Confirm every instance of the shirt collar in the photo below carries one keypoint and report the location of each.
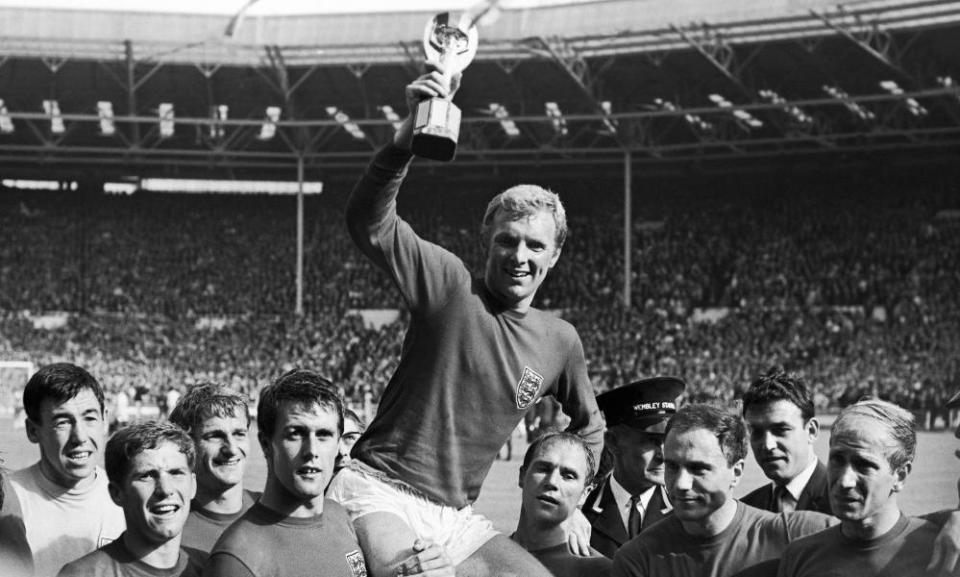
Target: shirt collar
(798, 483)
(622, 497)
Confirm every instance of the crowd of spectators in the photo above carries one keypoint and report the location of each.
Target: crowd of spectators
(853, 282)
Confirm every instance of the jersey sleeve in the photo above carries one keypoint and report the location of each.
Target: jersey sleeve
(16, 559)
(788, 563)
(576, 396)
(940, 518)
(802, 523)
(223, 564)
(629, 561)
(423, 271)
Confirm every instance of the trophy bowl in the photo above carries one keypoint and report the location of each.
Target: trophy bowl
(436, 124)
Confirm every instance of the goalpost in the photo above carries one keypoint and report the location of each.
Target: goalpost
(13, 376)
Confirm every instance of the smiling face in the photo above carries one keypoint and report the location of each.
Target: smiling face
(300, 453)
(155, 494)
(554, 483)
(699, 480)
(863, 485)
(637, 457)
(781, 439)
(519, 255)
(222, 446)
(70, 435)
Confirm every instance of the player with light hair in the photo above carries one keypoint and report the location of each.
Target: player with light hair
(218, 420)
(476, 357)
(872, 447)
(557, 472)
(150, 466)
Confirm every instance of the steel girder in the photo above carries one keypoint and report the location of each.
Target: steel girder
(686, 65)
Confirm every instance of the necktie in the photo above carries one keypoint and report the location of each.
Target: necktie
(784, 500)
(635, 519)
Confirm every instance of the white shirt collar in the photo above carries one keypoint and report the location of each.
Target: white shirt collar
(798, 483)
(622, 497)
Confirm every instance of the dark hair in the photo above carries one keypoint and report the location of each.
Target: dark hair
(207, 400)
(778, 385)
(353, 416)
(58, 382)
(299, 386)
(551, 438)
(130, 441)
(726, 426)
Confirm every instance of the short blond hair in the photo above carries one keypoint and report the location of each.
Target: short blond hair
(899, 423)
(525, 200)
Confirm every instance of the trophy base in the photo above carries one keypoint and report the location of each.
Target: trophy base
(436, 129)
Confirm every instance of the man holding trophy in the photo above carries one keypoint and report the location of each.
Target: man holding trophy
(476, 356)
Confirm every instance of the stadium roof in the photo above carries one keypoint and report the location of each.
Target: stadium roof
(583, 83)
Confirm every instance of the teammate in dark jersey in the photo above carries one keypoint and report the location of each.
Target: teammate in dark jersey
(150, 467)
(293, 531)
(872, 447)
(557, 471)
(711, 533)
(477, 355)
(217, 419)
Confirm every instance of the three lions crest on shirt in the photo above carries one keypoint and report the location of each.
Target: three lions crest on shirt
(528, 387)
(355, 561)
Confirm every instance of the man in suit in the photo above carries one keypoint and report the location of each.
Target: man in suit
(783, 427)
(632, 497)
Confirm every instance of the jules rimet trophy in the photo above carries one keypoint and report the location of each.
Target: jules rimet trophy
(436, 123)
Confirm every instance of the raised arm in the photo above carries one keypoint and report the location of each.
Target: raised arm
(421, 270)
(372, 205)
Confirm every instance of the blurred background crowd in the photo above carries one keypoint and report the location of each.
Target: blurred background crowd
(853, 282)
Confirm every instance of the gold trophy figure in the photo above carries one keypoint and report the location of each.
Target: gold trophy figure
(436, 124)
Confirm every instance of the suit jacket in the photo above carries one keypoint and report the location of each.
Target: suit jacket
(609, 533)
(814, 497)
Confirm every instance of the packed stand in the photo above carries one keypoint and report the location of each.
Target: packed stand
(852, 282)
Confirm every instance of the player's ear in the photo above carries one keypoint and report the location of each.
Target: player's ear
(583, 497)
(31, 428)
(901, 475)
(556, 257)
(737, 473)
(116, 493)
(813, 429)
(265, 445)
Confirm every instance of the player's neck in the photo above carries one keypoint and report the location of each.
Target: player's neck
(69, 483)
(535, 536)
(276, 498)
(219, 501)
(159, 556)
(873, 526)
(715, 523)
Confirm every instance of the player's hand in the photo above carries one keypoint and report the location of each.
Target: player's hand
(578, 534)
(946, 548)
(428, 560)
(432, 84)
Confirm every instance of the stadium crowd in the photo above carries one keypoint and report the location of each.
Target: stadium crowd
(856, 292)
(853, 283)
